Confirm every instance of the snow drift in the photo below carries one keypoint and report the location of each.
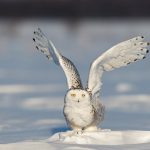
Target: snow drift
(102, 137)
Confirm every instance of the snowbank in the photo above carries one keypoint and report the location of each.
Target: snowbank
(102, 137)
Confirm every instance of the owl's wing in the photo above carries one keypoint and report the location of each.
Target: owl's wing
(118, 56)
(48, 48)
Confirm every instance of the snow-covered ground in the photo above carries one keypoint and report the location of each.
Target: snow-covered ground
(32, 89)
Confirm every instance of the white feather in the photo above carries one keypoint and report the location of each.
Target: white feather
(118, 56)
(48, 48)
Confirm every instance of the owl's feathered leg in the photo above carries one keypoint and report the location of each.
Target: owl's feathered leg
(91, 128)
(71, 133)
(76, 130)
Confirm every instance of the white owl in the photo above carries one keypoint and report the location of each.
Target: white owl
(82, 107)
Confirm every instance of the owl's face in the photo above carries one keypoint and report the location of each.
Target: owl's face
(77, 96)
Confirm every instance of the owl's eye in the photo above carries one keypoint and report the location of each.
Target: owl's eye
(83, 95)
(73, 95)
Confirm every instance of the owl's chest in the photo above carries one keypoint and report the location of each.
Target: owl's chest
(80, 114)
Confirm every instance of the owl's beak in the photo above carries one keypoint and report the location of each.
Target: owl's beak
(78, 101)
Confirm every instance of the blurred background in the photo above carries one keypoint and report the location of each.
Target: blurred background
(32, 88)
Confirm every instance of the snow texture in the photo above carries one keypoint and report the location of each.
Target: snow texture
(103, 137)
(106, 139)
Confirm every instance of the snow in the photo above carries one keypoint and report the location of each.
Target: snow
(22, 88)
(98, 139)
(133, 103)
(103, 137)
(124, 87)
(32, 89)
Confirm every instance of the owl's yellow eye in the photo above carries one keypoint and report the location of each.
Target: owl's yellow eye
(73, 95)
(83, 95)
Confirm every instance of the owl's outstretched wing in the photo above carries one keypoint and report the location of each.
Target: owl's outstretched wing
(48, 48)
(118, 56)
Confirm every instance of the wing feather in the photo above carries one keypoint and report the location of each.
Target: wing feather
(48, 48)
(118, 56)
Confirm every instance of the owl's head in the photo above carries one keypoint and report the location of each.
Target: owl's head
(77, 96)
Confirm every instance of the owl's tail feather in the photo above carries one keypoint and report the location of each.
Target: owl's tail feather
(45, 46)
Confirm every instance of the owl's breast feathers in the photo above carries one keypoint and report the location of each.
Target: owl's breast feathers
(83, 116)
(79, 116)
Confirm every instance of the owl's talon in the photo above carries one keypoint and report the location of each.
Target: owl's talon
(79, 132)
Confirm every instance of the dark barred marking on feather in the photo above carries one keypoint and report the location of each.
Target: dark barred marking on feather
(75, 77)
(37, 48)
(135, 59)
(144, 57)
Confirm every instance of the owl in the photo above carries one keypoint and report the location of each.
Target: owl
(83, 109)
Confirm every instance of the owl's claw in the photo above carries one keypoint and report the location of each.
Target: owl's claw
(77, 132)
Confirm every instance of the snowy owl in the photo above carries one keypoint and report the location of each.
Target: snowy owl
(83, 109)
